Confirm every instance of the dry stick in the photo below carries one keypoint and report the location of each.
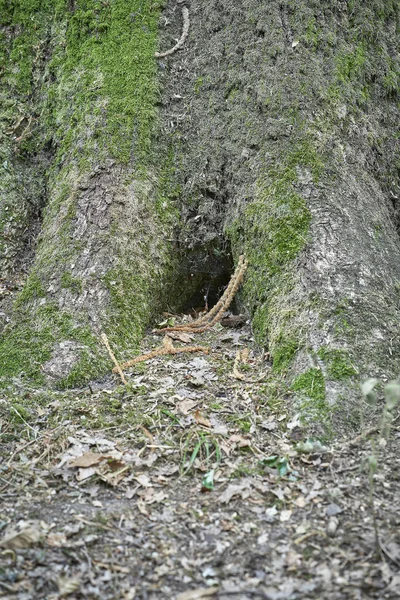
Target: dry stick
(117, 368)
(160, 352)
(182, 39)
(218, 310)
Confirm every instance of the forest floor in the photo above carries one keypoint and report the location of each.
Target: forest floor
(189, 483)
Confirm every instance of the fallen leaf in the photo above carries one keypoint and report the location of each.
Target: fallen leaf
(332, 510)
(88, 460)
(83, 474)
(130, 594)
(241, 489)
(186, 406)
(142, 508)
(262, 539)
(300, 502)
(201, 420)
(67, 586)
(24, 534)
(285, 515)
(144, 480)
(185, 338)
(271, 513)
(240, 441)
(56, 540)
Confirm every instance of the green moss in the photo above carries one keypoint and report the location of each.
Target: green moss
(286, 349)
(32, 290)
(272, 232)
(338, 363)
(105, 65)
(198, 84)
(25, 346)
(310, 386)
(73, 283)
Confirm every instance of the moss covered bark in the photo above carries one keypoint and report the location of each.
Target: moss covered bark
(276, 136)
(86, 75)
(291, 149)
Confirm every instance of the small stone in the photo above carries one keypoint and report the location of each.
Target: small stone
(333, 509)
(332, 526)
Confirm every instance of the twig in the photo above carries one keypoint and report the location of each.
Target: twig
(117, 368)
(388, 554)
(182, 39)
(236, 373)
(160, 352)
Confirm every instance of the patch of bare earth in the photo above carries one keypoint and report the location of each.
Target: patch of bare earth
(188, 483)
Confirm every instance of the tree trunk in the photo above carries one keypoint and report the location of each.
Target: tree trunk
(275, 135)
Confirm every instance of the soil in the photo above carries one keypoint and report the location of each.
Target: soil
(193, 483)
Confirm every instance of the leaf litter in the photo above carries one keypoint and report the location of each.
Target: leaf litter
(188, 482)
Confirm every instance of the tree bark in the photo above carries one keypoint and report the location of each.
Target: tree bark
(275, 135)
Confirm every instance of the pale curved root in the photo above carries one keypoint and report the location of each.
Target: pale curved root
(182, 39)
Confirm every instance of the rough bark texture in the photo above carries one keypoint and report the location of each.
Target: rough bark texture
(83, 75)
(287, 123)
(275, 135)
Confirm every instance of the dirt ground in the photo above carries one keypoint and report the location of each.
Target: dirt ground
(190, 482)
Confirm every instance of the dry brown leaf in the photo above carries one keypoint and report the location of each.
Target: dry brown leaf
(56, 540)
(144, 480)
(88, 459)
(24, 534)
(300, 502)
(186, 406)
(180, 336)
(201, 420)
(241, 489)
(240, 441)
(113, 472)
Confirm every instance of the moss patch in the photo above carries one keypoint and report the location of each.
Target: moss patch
(310, 389)
(338, 363)
(272, 233)
(26, 345)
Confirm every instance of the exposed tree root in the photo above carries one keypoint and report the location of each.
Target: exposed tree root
(216, 313)
(182, 39)
(166, 348)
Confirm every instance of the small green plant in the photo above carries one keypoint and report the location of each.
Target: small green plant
(207, 450)
(391, 394)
